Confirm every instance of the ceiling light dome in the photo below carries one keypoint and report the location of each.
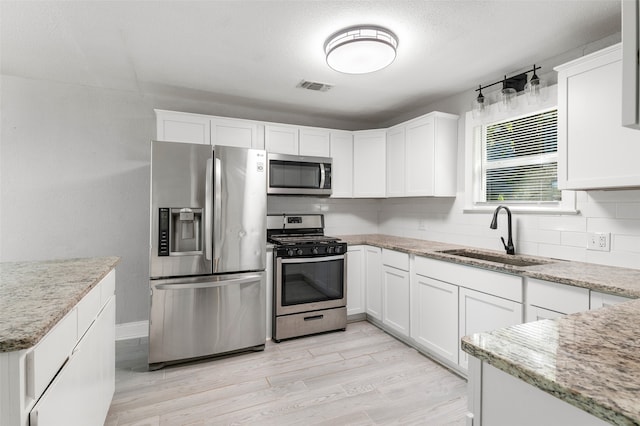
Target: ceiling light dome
(360, 50)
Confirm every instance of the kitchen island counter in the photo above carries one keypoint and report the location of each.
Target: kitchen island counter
(590, 359)
(34, 296)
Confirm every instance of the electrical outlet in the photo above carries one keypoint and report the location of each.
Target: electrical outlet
(599, 241)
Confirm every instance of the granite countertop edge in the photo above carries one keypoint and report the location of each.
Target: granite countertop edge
(32, 304)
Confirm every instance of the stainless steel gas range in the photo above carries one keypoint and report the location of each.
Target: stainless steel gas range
(310, 294)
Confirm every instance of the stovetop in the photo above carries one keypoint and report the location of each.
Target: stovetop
(302, 239)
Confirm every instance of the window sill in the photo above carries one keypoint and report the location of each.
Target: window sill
(523, 209)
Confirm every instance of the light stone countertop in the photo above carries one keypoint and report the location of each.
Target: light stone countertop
(34, 296)
(589, 359)
(606, 279)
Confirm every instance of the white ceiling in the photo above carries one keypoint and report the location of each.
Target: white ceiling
(256, 52)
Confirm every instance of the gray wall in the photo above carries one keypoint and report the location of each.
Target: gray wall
(74, 173)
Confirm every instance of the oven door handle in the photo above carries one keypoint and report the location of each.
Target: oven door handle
(311, 259)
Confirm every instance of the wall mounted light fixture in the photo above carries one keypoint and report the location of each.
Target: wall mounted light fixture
(511, 86)
(360, 50)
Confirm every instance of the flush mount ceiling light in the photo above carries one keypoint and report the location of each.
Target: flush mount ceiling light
(361, 50)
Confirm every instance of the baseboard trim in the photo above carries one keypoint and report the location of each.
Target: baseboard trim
(132, 330)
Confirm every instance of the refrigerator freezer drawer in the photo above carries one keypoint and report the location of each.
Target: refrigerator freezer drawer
(204, 316)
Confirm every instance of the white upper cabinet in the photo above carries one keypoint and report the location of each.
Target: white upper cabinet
(295, 140)
(594, 150)
(342, 165)
(395, 161)
(630, 65)
(183, 127)
(281, 139)
(314, 142)
(235, 132)
(369, 164)
(422, 157)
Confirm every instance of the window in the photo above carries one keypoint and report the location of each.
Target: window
(520, 159)
(512, 159)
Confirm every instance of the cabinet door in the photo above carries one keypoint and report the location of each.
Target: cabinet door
(536, 313)
(230, 132)
(373, 282)
(436, 320)
(86, 382)
(369, 164)
(342, 165)
(396, 162)
(355, 280)
(269, 270)
(595, 150)
(600, 300)
(183, 127)
(314, 142)
(395, 297)
(420, 160)
(481, 312)
(281, 139)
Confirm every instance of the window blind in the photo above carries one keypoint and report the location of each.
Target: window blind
(521, 159)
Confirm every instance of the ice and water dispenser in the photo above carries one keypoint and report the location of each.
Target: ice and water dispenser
(180, 231)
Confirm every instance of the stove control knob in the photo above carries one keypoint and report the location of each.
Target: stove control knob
(315, 250)
(290, 252)
(330, 249)
(299, 252)
(338, 249)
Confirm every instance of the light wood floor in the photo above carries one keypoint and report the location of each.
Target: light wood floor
(361, 376)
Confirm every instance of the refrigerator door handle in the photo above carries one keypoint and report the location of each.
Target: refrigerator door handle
(208, 284)
(217, 212)
(208, 210)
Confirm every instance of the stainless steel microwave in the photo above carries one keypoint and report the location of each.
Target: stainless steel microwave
(298, 175)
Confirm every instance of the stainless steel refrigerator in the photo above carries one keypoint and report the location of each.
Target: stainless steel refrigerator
(207, 251)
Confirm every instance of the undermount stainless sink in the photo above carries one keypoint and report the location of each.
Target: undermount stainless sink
(505, 259)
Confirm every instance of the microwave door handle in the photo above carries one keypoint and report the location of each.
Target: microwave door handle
(217, 211)
(208, 210)
(322, 175)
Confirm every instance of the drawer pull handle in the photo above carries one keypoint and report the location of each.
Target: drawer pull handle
(315, 317)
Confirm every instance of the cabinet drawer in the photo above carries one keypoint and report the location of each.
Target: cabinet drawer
(557, 297)
(499, 284)
(107, 287)
(88, 308)
(46, 358)
(395, 259)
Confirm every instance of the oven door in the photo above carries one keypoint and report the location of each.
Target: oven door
(309, 284)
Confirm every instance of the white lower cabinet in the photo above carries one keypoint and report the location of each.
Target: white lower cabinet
(269, 270)
(355, 281)
(499, 399)
(395, 287)
(548, 300)
(434, 308)
(68, 377)
(481, 312)
(395, 291)
(81, 393)
(373, 280)
(600, 300)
